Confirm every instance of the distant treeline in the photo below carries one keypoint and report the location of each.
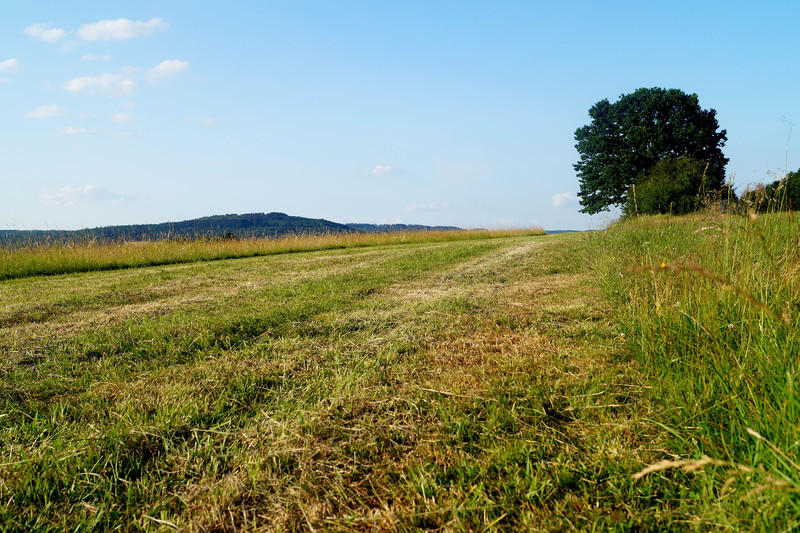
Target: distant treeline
(249, 225)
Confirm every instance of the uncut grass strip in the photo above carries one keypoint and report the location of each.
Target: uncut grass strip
(69, 259)
(723, 281)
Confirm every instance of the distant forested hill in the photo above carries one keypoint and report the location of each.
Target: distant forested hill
(230, 226)
(249, 225)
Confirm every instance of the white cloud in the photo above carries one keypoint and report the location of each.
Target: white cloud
(3, 81)
(71, 195)
(564, 198)
(381, 170)
(44, 32)
(119, 29)
(428, 207)
(122, 117)
(68, 195)
(107, 84)
(47, 111)
(166, 69)
(128, 104)
(96, 57)
(9, 65)
(78, 131)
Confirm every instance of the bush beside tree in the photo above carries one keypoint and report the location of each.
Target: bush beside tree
(675, 186)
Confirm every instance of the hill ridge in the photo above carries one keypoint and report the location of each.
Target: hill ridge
(273, 224)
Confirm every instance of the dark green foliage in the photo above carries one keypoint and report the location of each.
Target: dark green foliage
(626, 139)
(780, 195)
(674, 186)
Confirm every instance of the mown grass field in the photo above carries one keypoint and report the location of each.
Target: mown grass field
(457, 385)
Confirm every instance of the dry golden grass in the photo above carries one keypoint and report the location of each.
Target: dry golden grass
(70, 257)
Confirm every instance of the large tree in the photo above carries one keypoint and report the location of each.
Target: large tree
(628, 138)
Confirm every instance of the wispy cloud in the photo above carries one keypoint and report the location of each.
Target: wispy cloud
(67, 196)
(44, 32)
(122, 117)
(564, 199)
(428, 207)
(9, 65)
(72, 195)
(78, 131)
(381, 170)
(119, 29)
(104, 30)
(47, 111)
(166, 70)
(106, 84)
(96, 57)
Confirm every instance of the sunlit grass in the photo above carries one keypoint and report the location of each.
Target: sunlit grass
(636, 379)
(470, 385)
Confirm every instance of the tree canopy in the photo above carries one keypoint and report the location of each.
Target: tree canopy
(627, 139)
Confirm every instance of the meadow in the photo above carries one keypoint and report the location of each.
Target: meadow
(635, 379)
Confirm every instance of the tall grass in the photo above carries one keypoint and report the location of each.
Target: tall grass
(710, 305)
(70, 257)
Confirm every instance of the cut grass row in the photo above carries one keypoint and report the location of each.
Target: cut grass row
(70, 257)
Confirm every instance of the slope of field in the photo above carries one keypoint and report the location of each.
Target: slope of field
(519, 382)
(456, 385)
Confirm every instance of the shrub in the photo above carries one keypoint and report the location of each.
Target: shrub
(780, 195)
(674, 185)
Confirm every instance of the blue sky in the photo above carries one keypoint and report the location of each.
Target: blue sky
(424, 112)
